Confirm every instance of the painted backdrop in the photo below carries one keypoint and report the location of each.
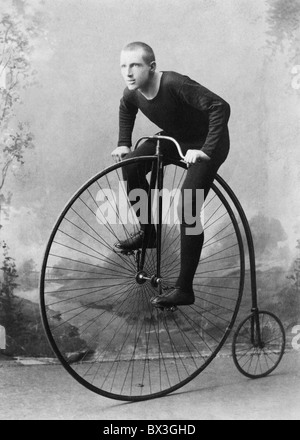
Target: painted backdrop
(62, 124)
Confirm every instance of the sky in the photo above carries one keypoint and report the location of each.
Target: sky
(229, 46)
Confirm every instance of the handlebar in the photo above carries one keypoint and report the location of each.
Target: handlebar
(158, 137)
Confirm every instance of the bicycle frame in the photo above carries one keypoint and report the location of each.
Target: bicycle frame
(159, 179)
(250, 245)
(239, 208)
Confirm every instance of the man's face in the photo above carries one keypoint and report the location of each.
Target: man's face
(135, 71)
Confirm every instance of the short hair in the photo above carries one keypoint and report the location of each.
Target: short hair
(148, 56)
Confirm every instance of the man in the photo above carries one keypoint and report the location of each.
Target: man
(197, 119)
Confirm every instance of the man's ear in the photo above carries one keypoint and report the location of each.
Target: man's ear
(153, 66)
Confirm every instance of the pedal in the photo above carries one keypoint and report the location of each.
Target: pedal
(171, 309)
(167, 309)
(127, 253)
(124, 252)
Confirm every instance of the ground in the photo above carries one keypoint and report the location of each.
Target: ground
(34, 391)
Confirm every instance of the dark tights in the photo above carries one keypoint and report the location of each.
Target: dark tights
(198, 176)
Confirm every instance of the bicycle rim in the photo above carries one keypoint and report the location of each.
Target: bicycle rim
(99, 320)
(258, 355)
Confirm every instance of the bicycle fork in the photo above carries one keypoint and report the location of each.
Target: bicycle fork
(156, 180)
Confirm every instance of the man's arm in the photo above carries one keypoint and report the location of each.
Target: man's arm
(127, 115)
(216, 109)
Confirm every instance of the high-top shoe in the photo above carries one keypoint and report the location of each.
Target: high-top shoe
(135, 241)
(177, 297)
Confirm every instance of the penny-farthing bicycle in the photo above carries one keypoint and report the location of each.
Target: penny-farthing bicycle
(95, 301)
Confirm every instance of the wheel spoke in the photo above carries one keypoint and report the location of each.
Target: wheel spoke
(96, 306)
(258, 357)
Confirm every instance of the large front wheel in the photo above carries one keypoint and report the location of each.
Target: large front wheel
(96, 305)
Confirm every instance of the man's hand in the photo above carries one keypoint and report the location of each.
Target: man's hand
(194, 156)
(119, 153)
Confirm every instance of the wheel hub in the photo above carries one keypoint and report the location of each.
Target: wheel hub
(142, 277)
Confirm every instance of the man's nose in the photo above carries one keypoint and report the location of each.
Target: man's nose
(129, 72)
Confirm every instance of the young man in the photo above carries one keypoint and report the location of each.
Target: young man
(197, 119)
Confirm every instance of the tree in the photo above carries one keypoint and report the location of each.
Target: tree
(8, 285)
(295, 275)
(283, 19)
(17, 34)
(18, 31)
(28, 275)
(16, 74)
(267, 233)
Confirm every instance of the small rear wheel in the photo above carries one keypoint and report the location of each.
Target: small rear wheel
(255, 356)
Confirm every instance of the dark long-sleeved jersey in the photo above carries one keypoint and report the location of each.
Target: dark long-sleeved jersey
(182, 108)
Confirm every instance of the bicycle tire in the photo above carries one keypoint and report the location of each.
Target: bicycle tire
(147, 363)
(251, 360)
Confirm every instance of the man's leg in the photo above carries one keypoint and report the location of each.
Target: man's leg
(135, 177)
(199, 176)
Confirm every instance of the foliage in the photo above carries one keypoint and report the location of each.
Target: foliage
(18, 31)
(10, 275)
(267, 233)
(17, 34)
(284, 24)
(28, 275)
(284, 18)
(294, 276)
(16, 74)
(7, 286)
